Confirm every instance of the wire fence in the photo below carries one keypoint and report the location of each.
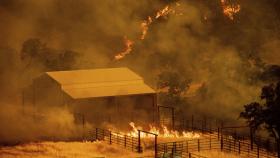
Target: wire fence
(122, 140)
(186, 148)
(223, 138)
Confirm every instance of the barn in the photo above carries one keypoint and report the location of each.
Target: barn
(103, 96)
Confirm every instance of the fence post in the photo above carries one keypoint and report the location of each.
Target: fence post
(110, 137)
(202, 126)
(218, 133)
(251, 138)
(156, 151)
(96, 134)
(173, 119)
(139, 142)
(198, 145)
(210, 127)
(83, 121)
(173, 149)
(222, 143)
(190, 155)
(125, 141)
(239, 147)
(132, 143)
(192, 122)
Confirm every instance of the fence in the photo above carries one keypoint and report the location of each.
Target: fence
(244, 148)
(125, 141)
(221, 139)
(184, 148)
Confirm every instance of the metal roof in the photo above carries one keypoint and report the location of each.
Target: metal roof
(100, 82)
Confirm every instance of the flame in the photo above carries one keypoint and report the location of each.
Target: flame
(128, 48)
(163, 12)
(162, 133)
(144, 29)
(230, 10)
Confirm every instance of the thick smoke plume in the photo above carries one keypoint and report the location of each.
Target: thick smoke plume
(222, 54)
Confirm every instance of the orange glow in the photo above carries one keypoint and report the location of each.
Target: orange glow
(145, 27)
(230, 9)
(128, 49)
(164, 132)
(165, 11)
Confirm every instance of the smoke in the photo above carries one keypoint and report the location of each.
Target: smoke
(204, 45)
(19, 125)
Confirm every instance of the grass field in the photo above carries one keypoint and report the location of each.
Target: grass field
(81, 150)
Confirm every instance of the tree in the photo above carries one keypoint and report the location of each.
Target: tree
(265, 114)
(172, 85)
(33, 50)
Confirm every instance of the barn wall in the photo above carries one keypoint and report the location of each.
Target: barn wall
(48, 93)
(117, 111)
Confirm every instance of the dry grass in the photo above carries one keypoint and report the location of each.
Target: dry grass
(66, 149)
(217, 154)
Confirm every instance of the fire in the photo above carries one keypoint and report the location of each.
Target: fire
(128, 49)
(144, 29)
(230, 9)
(165, 11)
(162, 133)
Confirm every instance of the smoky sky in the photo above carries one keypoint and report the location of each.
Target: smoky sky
(198, 40)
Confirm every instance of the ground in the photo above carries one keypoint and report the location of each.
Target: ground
(80, 150)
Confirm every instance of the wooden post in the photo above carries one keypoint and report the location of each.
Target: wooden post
(192, 122)
(110, 137)
(132, 143)
(173, 118)
(156, 150)
(190, 155)
(222, 141)
(158, 115)
(201, 126)
(173, 149)
(251, 138)
(139, 142)
(96, 134)
(83, 119)
(239, 150)
(218, 133)
(210, 127)
(154, 108)
(125, 141)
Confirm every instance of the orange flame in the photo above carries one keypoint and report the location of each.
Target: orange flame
(145, 27)
(230, 10)
(165, 11)
(165, 132)
(128, 49)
